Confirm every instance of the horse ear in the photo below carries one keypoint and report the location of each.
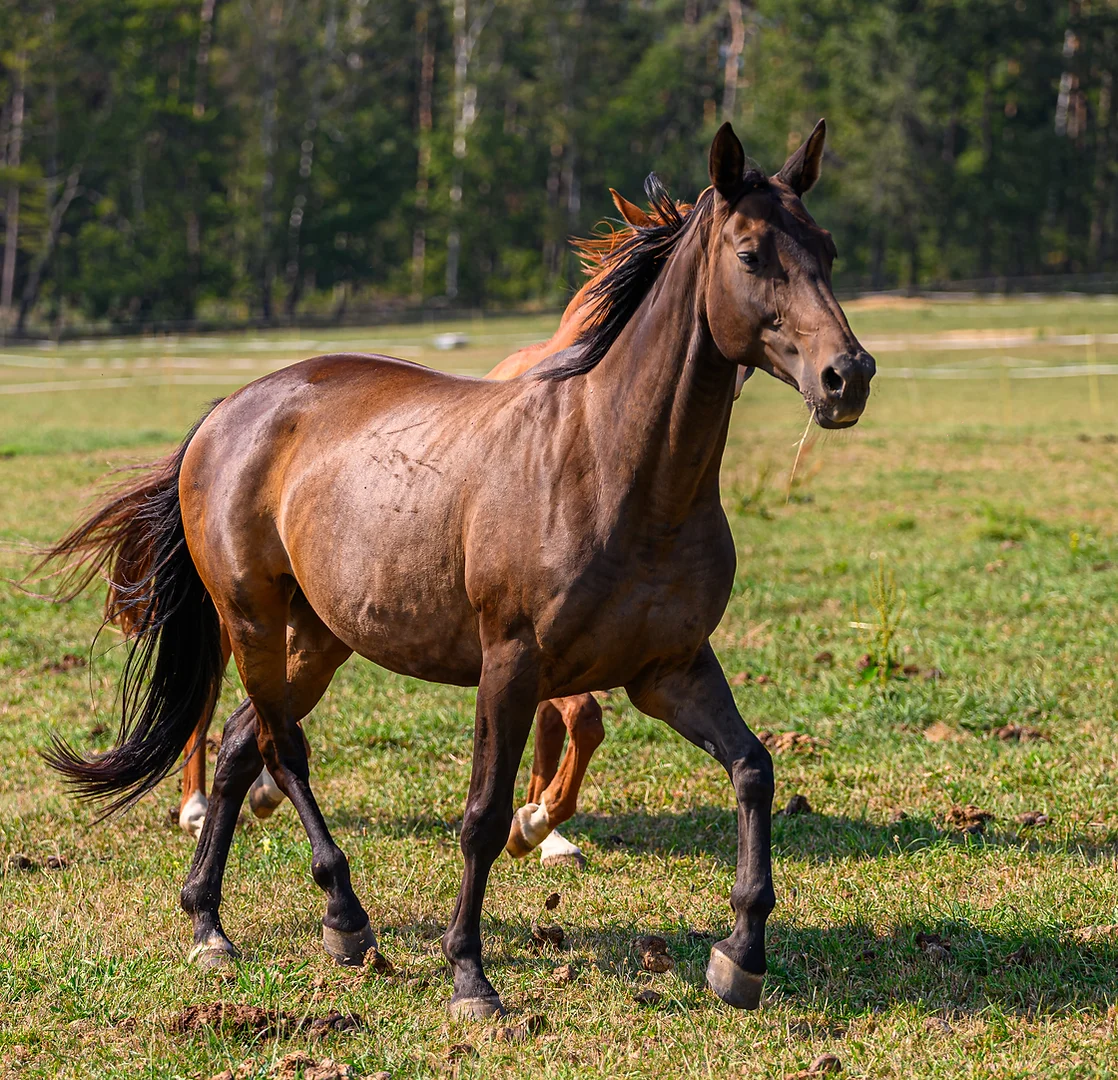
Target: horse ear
(632, 213)
(727, 161)
(801, 170)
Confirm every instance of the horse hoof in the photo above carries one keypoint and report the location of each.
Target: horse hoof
(264, 797)
(214, 951)
(192, 814)
(734, 985)
(557, 850)
(528, 830)
(348, 948)
(476, 1008)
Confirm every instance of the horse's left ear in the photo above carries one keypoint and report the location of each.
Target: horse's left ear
(801, 170)
(727, 162)
(632, 213)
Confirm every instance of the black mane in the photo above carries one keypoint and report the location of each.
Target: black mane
(629, 272)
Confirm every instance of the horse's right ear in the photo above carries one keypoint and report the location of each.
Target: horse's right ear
(727, 161)
(632, 213)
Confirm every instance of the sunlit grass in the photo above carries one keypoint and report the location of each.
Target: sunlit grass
(999, 522)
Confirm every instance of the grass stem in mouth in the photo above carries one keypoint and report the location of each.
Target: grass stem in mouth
(796, 463)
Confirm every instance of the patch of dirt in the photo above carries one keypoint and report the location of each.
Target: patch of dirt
(1019, 733)
(563, 974)
(648, 997)
(789, 742)
(552, 902)
(825, 657)
(547, 936)
(969, 819)
(57, 862)
(653, 953)
(939, 732)
(1032, 819)
(798, 804)
(224, 1015)
(66, 662)
(18, 862)
(376, 963)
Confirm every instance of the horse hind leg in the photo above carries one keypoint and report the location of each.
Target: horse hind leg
(286, 665)
(265, 797)
(553, 797)
(193, 805)
(238, 761)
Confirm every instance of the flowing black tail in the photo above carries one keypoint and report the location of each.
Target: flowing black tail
(174, 666)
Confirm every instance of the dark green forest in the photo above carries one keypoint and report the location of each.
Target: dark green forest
(181, 159)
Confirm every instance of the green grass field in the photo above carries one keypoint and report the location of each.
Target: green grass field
(982, 478)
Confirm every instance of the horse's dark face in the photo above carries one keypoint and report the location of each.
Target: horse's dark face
(768, 294)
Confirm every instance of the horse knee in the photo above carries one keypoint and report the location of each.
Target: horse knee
(752, 776)
(584, 722)
(484, 832)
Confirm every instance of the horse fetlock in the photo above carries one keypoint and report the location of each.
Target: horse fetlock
(530, 827)
(264, 796)
(214, 950)
(731, 982)
(557, 850)
(192, 814)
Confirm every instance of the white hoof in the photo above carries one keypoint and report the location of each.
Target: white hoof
(192, 815)
(530, 827)
(264, 795)
(557, 850)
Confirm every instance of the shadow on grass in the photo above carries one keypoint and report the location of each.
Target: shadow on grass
(953, 968)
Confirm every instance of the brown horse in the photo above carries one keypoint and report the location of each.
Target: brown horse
(556, 778)
(542, 537)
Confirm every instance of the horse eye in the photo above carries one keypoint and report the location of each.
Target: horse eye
(749, 259)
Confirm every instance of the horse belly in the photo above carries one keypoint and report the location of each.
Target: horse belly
(384, 570)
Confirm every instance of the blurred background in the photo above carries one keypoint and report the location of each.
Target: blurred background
(179, 161)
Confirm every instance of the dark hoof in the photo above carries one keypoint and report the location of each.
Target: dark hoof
(476, 1008)
(348, 948)
(734, 985)
(214, 951)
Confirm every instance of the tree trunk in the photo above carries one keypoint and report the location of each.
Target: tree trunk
(466, 36)
(306, 161)
(42, 259)
(11, 205)
(423, 163)
(733, 58)
(266, 264)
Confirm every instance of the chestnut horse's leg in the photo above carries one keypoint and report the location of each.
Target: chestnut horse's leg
(506, 699)
(697, 702)
(265, 796)
(193, 805)
(238, 762)
(552, 791)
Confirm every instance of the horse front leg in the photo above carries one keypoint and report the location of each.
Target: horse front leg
(506, 699)
(696, 701)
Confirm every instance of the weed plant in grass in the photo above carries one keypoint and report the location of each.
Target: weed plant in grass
(901, 943)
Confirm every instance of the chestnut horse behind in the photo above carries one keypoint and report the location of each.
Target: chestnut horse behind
(348, 504)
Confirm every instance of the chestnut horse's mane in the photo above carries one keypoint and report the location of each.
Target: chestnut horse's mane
(630, 261)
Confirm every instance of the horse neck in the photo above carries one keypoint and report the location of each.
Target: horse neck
(660, 399)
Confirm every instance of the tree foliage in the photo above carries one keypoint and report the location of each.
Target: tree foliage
(171, 158)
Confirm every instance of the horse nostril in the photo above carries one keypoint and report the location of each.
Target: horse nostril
(833, 381)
